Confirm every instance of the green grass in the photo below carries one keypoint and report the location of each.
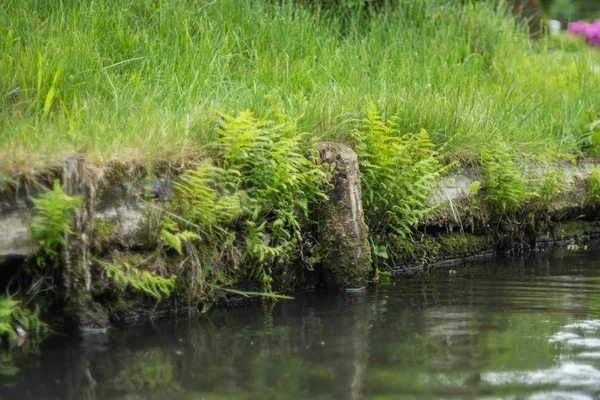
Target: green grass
(145, 80)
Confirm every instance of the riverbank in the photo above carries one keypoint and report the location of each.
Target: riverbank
(459, 210)
(137, 271)
(130, 179)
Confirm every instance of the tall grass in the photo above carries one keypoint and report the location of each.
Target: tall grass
(147, 79)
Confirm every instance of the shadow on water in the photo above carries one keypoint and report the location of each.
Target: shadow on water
(506, 328)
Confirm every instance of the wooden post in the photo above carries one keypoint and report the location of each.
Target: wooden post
(342, 233)
(81, 313)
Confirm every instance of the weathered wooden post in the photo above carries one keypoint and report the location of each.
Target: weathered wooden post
(342, 233)
(81, 312)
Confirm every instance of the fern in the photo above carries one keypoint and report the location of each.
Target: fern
(8, 307)
(278, 172)
(594, 186)
(265, 178)
(208, 198)
(173, 237)
(12, 314)
(506, 187)
(143, 281)
(547, 179)
(53, 211)
(398, 174)
(259, 249)
(509, 188)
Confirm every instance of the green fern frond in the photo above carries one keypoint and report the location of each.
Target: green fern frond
(263, 181)
(139, 280)
(13, 314)
(594, 186)
(398, 173)
(506, 186)
(175, 238)
(53, 211)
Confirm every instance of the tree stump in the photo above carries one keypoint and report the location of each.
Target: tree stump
(81, 312)
(342, 233)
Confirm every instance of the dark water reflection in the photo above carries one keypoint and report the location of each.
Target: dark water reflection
(512, 329)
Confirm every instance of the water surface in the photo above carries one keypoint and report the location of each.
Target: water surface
(525, 328)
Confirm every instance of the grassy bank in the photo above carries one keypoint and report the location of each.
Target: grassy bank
(143, 81)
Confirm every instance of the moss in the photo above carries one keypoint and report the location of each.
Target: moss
(104, 232)
(150, 225)
(343, 266)
(131, 258)
(463, 245)
(434, 248)
(593, 186)
(471, 213)
(117, 304)
(409, 252)
(575, 229)
(192, 291)
(183, 288)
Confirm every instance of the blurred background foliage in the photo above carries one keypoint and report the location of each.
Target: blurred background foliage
(563, 10)
(572, 10)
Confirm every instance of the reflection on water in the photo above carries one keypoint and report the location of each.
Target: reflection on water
(502, 329)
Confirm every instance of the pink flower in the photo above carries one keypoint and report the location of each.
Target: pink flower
(577, 28)
(592, 35)
(591, 32)
(594, 40)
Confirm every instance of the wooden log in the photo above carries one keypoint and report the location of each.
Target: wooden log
(82, 313)
(342, 233)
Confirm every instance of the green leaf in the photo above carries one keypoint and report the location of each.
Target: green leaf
(53, 212)
(248, 294)
(381, 251)
(475, 186)
(51, 93)
(171, 240)
(383, 277)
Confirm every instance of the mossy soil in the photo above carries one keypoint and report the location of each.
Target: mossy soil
(430, 247)
(425, 251)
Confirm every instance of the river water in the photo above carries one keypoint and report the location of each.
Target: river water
(514, 328)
